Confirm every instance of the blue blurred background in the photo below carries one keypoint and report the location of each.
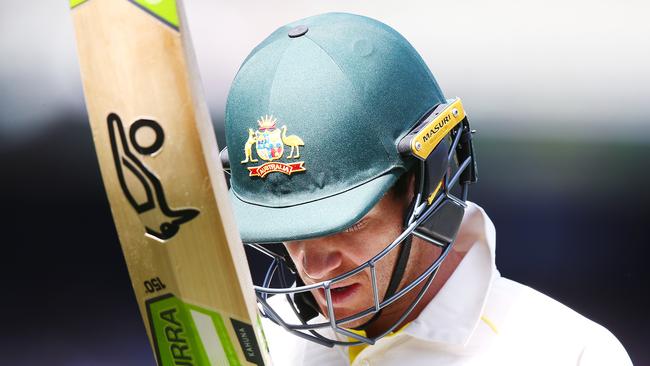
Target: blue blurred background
(558, 90)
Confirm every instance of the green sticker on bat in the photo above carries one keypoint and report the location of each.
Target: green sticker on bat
(164, 10)
(74, 3)
(186, 335)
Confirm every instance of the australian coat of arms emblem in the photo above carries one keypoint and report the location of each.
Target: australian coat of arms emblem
(269, 143)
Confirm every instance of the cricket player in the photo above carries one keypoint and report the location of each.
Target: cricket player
(343, 148)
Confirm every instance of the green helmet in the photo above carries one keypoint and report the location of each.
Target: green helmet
(322, 119)
(313, 121)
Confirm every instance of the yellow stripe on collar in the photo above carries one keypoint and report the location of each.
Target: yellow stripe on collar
(490, 324)
(353, 351)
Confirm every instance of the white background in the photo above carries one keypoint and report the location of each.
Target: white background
(562, 69)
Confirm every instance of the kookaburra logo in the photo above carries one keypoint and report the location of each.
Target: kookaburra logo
(269, 146)
(140, 185)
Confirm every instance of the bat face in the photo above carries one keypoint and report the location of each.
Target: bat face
(157, 154)
(161, 221)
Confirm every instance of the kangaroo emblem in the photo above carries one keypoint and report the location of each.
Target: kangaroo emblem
(248, 147)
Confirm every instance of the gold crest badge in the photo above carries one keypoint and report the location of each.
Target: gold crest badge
(269, 145)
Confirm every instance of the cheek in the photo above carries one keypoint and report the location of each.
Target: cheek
(371, 245)
(362, 248)
(366, 244)
(380, 238)
(384, 268)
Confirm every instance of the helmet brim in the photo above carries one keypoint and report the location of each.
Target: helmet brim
(263, 224)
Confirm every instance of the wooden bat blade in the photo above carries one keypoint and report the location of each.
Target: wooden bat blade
(159, 162)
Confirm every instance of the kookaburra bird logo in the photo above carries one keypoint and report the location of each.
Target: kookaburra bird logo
(140, 185)
(269, 143)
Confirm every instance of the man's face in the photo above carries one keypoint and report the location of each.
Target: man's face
(324, 258)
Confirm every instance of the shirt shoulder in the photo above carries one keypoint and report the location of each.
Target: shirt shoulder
(528, 321)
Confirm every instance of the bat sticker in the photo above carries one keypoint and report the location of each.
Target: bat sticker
(188, 335)
(152, 207)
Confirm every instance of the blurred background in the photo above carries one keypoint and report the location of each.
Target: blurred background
(558, 90)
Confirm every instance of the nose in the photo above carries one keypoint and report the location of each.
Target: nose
(320, 261)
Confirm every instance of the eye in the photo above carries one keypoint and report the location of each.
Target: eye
(356, 227)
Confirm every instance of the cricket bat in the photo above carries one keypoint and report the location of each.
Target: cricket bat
(159, 161)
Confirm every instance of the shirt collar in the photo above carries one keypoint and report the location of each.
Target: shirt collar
(453, 314)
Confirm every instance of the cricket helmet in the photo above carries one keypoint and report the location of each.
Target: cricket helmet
(321, 120)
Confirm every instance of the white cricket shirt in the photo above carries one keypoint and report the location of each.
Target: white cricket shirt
(477, 318)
